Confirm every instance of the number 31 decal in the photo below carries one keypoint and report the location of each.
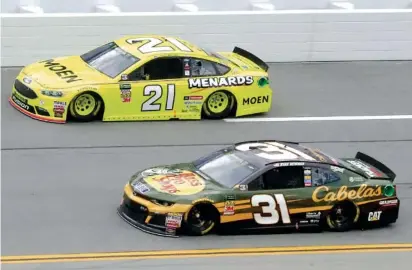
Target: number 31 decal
(269, 214)
(157, 91)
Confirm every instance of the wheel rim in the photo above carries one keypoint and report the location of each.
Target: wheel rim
(85, 104)
(200, 221)
(339, 217)
(218, 102)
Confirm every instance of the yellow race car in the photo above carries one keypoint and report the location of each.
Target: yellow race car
(144, 78)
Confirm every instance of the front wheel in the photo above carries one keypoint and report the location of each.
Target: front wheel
(201, 220)
(85, 107)
(218, 105)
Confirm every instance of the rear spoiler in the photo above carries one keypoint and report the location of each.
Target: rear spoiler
(252, 58)
(377, 164)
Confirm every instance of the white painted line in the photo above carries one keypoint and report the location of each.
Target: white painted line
(319, 118)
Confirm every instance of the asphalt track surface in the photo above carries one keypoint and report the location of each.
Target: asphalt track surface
(62, 183)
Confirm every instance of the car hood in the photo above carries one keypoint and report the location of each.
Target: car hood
(64, 72)
(174, 182)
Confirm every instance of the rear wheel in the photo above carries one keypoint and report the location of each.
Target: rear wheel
(218, 105)
(85, 107)
(342, 217)
(202, 219)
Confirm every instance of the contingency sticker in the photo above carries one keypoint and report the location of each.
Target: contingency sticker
(308, 177)
(229, 208)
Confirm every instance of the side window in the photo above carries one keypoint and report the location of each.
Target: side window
(324, 176)
(159, 69)
(222, 69)
(279, 178)
(202, 67)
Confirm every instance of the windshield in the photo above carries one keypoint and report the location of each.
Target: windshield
(109, 59)
(227, 169)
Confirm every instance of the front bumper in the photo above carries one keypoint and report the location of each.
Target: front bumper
(130, 212)
(153, 219)
(43, 109)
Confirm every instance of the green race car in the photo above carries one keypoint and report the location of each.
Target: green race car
(258, 185)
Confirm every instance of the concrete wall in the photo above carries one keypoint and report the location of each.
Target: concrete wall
(275, 36)
(81, 6)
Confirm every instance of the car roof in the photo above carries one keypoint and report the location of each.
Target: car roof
(301, 153)
(133, 48)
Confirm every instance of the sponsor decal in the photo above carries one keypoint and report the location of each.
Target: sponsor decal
(186, 67)
(371, 172)
(308, 180)
(307, 172)
(255, 100)
(192, 98)
(27, 80)
(355, 179)
(220, 82)
(203, 200)
(59, 107)
(124, 77)
(304, 222)
(363, 192)
(140, 187)
(20, 102)
(173, 221)
(160, 171)
(283, 164)
(374, 216)
(182, 183)
(126, 93)
(337, 169)
(62, 71)
(313, 215)
(389, 202)
(229, 208)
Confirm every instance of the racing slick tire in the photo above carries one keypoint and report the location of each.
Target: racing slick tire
(342, 217)
(202, 219)
(85, 107)
(218, 105)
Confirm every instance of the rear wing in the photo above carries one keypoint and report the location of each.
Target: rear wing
(251, 57)
(377, 164)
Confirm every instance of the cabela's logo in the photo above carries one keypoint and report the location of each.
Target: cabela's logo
(363, 192)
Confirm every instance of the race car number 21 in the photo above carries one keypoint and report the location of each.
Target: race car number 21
(270, 214)
(155, 92)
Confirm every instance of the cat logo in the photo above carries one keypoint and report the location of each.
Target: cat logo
(374, 216)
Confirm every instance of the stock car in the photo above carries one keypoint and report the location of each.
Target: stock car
(259, 185)
(144, 77)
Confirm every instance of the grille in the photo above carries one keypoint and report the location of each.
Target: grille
(24, 90)
(135, 211)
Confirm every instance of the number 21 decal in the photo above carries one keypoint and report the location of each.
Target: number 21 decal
(152, 45)
(269, 214)
(151, 105)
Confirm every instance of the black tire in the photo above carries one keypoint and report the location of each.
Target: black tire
(342, 216)
(85, 107)
(218, 105)
(202, 219)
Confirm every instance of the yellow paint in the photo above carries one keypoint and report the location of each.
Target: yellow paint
(175, 208)
(175, 254)
(184, 183)
(236, 217)
(363, 192)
